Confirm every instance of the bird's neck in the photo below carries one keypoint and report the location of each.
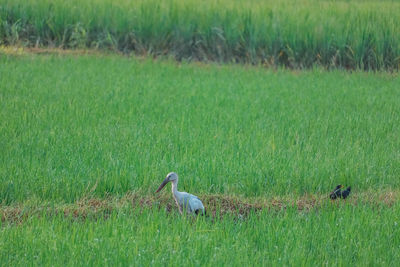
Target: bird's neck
(174, 187)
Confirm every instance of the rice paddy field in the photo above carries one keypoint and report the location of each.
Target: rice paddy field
(87, 139)
(88, 133)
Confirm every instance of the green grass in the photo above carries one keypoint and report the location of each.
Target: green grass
(343, 235)
(69, 123)
(80, 133)
(344, 34)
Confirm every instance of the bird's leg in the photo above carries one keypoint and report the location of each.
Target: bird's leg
(179, 207)
(180, 210)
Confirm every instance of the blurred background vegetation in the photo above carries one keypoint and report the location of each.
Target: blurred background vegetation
(296, 34)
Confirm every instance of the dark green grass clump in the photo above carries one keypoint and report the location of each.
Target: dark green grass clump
(344, 34)
(108, 125)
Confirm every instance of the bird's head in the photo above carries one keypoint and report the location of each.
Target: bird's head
(172, 176)
(338, 187)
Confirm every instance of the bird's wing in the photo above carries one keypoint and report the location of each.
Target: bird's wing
(195, 203)
(190, 202)
(184, 199)
(193, 196)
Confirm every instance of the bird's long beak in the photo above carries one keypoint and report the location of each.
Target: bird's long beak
(162, 185)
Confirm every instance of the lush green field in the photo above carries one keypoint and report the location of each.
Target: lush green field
(101, 127)
(70, 123)
(333, 236)
(345, 34)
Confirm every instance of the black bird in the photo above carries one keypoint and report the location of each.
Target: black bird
(336, 192)
(346, 193)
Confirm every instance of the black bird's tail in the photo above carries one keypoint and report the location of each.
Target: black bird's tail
(346, 193)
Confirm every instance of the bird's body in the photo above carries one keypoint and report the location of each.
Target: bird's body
(346, 193)
(336, 193)
(186, 202)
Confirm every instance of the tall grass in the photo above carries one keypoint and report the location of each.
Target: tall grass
(70, 123)
(344, 34)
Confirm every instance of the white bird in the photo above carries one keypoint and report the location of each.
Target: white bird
(183, 200)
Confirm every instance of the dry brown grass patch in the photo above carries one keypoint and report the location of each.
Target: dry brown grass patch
(91, 208)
